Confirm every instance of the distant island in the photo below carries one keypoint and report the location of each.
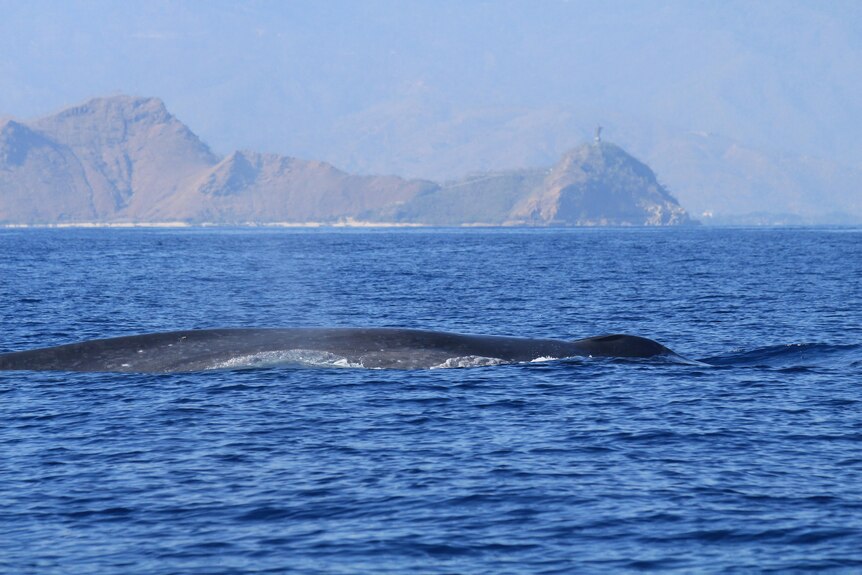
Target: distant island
(125, 160)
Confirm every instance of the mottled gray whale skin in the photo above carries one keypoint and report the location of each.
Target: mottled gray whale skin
(200, 350)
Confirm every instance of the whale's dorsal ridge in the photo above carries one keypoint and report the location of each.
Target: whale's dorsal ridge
(621, 345)
(200, 350)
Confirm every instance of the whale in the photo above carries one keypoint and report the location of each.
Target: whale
(376, 348)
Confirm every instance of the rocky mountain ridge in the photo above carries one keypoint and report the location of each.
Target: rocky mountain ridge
(125, 159)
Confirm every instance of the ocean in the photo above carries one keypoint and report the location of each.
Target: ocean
(750, 461)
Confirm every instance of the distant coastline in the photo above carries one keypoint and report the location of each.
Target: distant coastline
(388, 225)
(309, 225)
(126, 225)
(126, 161)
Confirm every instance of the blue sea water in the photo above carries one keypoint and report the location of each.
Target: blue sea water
(752, 464)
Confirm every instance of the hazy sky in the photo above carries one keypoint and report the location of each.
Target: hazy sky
(292, 77)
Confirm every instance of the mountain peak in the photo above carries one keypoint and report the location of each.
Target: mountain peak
(109, 120)
(119, 153)
(588, 160)
(130, 107)
(124, 124)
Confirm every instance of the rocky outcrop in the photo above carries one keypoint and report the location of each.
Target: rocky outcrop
(599, 185)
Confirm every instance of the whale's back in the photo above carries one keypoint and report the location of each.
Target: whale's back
(201, 350)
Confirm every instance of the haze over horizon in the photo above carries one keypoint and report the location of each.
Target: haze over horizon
(739, 106)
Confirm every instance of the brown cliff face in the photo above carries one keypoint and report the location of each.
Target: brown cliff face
(41, 180)
(133, 152)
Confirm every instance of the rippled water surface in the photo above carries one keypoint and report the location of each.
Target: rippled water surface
(584, 465)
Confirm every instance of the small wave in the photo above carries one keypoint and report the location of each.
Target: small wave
(788, 356)
(469, 361)
(287, 358)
